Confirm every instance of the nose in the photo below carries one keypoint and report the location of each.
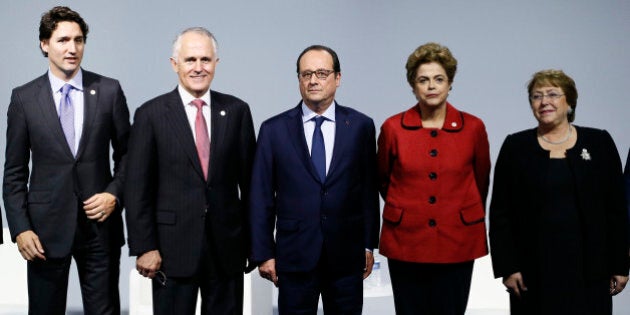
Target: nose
(72, 47)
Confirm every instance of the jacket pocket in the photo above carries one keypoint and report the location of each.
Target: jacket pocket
(392, 214)
(38, 197)
(166, 217)
(473, 214)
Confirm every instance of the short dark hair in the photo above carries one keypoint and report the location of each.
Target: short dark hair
(555, 78)
(51, 18)
(427, 53)
(336, 65)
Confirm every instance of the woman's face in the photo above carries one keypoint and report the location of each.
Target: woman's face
(431, 85)
(549, 105)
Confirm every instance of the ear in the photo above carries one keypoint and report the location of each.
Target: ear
(44, 45)
(173, 63)
(338, 79)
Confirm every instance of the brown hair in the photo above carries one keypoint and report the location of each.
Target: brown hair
(427, 53)
(50, 19)
(555, 78)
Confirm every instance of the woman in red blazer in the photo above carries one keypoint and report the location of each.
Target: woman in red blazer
(434, 166)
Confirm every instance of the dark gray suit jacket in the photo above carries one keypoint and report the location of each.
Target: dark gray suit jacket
(49, 201)
(169, 202)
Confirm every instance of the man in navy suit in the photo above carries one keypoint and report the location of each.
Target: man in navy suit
(314, 181)
(64, 123)
(189, 164)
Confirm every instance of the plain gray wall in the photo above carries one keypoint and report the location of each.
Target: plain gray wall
(499, 44)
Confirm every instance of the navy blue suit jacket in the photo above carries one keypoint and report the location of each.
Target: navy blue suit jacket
(339, 217)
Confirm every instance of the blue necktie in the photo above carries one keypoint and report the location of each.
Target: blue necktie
(66, 115)
(318, 151)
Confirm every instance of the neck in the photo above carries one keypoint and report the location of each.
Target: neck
(319, 107)
(555, 134)
(431, 115)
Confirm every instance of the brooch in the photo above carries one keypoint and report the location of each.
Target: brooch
(585, 155)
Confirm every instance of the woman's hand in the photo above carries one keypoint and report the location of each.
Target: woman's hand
(514, 284)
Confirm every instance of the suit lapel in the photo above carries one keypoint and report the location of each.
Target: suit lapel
(218, 117)
(342, 132)
(90, 101)
(181, 129)
(295, 128)
(50, 116)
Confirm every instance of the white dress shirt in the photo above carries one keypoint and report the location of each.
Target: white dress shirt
(328, 129)
(191, 110)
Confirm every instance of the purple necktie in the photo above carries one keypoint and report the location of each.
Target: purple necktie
(203, 141)
(66, 115)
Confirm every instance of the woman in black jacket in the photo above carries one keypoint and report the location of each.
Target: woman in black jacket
(558, 221)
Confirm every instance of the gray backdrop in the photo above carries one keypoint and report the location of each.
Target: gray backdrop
(499, 44)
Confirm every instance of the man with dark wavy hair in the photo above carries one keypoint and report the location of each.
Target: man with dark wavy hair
(63, 123)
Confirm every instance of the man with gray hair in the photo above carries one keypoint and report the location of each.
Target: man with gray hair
(190, 157)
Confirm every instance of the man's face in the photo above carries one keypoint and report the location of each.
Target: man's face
(318, 93)
(195, 63)
(65, 49)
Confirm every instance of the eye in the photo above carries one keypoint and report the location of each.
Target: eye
(421, 80)
(439, 80)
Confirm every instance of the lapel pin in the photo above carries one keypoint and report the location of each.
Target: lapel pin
(347, 122)
(453, 124)
(92, 92)
(222, 113)
(585, 155)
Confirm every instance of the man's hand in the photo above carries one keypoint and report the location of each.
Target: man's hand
(369, 263)
(514, 284)
(267, 270)
(149, 263)
(99, 206)
(29, 245)
(617, 283)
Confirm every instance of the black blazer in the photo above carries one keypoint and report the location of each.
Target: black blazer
(339, 216)
(517, 200)
(48, 202)
(169, 201)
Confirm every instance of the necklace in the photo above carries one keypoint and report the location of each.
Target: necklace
(558, 142)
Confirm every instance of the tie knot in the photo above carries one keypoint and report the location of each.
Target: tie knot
(65, 89)
(198, 103)
(319, 120)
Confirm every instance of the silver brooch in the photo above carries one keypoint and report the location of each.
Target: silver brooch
(585, 155)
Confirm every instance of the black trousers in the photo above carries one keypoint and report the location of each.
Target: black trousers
(98, 270)
(220, 294)
(432, 289)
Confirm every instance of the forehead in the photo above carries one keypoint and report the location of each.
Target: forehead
(196, 44)
(545, 86)
(67, 28)
(431, 68)
(316, 59)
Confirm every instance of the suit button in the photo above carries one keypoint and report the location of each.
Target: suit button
(432, 199)
(434, 133)
(433, 153)
(324, 217)
(433, 175)
(324, 192)
(432, 223)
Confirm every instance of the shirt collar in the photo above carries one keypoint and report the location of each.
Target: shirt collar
(56, 83)
(187, 97)
(308, 114)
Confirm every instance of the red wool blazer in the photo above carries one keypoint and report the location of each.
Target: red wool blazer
(434, 183)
